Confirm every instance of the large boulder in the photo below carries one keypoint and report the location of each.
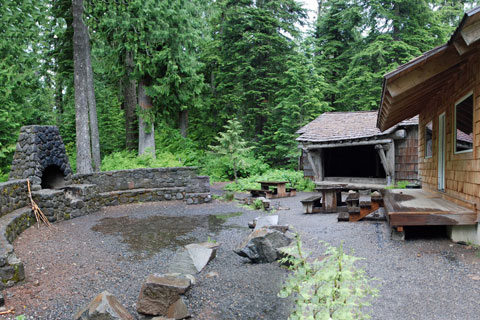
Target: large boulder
(103, 307)
(159, 292)
(266, 221)
(193, 258)
(261, 245)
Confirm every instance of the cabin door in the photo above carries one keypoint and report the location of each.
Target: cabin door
(441, 152)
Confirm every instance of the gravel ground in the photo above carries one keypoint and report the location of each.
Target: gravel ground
(116, 248)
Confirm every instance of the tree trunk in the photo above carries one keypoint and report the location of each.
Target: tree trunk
(130, 95)
(92, 106)
(146, 130)
(84, 158)
(184, 122)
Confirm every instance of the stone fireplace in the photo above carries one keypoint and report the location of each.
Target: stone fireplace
(40, 156)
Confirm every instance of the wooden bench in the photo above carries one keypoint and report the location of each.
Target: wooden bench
(292, 192)
(255, 193)
(312, 204)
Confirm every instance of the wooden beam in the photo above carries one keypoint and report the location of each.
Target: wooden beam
(310, 160)
(471, 33)
(384, 161)
(348, 144)
(461, 46)
(431, 219)
(436, 65)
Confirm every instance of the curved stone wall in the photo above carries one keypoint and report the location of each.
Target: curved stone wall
(84, 194)
(13, 195)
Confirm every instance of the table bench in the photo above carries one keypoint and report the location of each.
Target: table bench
(312, 204)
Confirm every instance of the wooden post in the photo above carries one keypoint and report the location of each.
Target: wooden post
(385, 163)
(312, 163)
(319, 164)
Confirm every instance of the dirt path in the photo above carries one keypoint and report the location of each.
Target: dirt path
(117, 248)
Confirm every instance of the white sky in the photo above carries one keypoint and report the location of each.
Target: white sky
(311, 5)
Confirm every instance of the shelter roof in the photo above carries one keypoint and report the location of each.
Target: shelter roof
(407, 88)
(337, 126)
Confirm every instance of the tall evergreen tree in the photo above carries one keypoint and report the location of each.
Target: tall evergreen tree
(336, 33)
(162, 38)
(256, 39)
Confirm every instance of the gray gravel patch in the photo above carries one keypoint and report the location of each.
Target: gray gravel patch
(418, 279)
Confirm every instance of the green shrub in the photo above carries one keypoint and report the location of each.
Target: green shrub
(3, 176)
(333, 288)
(257, 204)
(221, 169)
(229, 196)
(129, 160)
(295, 179)
(399, 185)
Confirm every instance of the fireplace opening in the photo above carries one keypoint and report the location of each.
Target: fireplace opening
(52, 178)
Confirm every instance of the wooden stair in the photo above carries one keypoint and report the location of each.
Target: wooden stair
(361, 204)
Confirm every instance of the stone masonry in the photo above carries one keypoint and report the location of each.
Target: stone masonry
(40, 157)
(39, 148)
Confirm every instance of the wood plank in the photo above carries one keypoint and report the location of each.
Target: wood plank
(419, 75)
(431, 219)
(471, 33)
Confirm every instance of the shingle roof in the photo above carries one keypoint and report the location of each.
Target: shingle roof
(335, 126)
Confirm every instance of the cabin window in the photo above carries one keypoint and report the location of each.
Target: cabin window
(428, 140)
(464, 124)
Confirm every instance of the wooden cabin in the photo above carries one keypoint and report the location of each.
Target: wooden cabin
(347, 147)
(443, 87)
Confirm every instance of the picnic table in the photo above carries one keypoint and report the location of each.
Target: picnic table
(273, 189)
(279, 187)
(331, 196)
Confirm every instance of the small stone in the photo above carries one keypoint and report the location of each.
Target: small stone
(104, 306)
(178, 310)
(36, 283)
(260, 246)
(10, 283)
(212, 274)
(202, 253)
(159, 292)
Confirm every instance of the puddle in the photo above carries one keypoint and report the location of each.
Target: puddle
(147, 236)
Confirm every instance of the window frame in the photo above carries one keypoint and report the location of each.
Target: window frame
(463, 98)
(425, 140)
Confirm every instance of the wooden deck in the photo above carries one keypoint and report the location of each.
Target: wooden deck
(417, 207)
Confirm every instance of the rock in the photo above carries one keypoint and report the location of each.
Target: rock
(182, 263)
(36, 283)
(252, 224)
(261, 245)
(193, 258)
(202, 253)
(212, 274)
(178, 310)
(103, 307)
(280, 227)
(159, 292)
(266, 204)
(266, 221)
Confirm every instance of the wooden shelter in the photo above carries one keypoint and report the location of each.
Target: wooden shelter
(442, 86)
(347, 147)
